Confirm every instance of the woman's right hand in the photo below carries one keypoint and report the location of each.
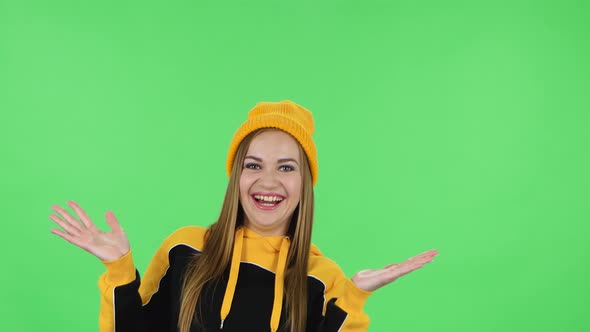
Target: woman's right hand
(107, 246)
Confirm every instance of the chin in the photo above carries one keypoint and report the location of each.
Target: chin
(268, 226)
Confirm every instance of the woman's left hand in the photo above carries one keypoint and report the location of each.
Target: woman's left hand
(371, 280)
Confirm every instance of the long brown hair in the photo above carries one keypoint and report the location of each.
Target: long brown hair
(210, 265)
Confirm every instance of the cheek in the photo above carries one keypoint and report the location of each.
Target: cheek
(294, 187)
(244, 186)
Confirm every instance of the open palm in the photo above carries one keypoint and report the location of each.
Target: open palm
(371, 280)
(107, 246)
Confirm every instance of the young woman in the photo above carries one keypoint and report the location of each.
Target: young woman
(255, 269)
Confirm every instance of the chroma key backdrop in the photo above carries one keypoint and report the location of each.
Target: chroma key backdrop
(461, 126)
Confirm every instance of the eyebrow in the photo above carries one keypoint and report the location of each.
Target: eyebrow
(282, 160)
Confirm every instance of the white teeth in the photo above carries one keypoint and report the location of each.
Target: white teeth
(268, 198)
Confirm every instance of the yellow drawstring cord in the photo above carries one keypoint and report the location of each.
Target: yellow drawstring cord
(233, 275)
(277, 305)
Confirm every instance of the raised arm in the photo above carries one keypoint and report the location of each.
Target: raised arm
(346, 299)
(370, 280)
(124, 299)
(106, 246)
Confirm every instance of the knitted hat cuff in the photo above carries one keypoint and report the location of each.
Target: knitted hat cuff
(277, 120)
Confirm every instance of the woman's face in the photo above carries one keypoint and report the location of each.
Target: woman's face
(270, 183)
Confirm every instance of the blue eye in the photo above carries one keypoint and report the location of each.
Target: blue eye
(252, 166)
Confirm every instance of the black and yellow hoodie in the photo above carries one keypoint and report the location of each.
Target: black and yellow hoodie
(249, 298)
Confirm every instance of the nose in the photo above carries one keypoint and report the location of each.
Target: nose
(269, 178)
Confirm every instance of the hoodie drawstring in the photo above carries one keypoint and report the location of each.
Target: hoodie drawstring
(277, 305)
(233, 275)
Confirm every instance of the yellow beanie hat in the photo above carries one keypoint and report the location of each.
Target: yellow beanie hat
(284, 115)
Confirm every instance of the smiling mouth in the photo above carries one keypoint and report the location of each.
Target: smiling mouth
(267, 202)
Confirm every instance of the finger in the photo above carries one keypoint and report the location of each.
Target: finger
(112, 222)
(394, 271)
(429, 253)
(406, 267)
(389, 275)
(415, 264)
(65, 225)
(68, 237)
(403, 270)
(67, 217)
(421, 259)
(82, 214)
(427, 256)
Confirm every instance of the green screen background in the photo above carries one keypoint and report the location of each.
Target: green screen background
(456, 125)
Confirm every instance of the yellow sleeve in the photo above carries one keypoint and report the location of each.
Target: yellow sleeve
(129, 303)
(119, 272)
(343, 300)
(346, 300)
